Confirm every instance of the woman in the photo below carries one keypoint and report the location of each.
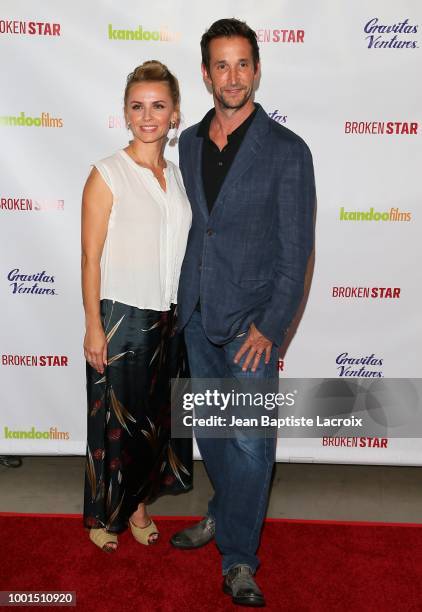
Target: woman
(135, 222)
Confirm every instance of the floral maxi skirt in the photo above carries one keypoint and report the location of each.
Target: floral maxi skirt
(130, 455)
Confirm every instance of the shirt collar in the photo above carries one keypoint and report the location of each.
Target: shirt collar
(204, 126)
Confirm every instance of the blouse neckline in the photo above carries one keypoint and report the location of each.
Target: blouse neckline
(148, 171)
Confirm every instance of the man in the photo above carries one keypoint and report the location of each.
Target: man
(251, 186)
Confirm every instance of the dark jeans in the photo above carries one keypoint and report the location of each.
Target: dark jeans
(239, 467)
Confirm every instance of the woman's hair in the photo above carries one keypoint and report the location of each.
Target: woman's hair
(153, 70)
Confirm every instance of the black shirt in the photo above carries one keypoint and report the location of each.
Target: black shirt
(216, 163)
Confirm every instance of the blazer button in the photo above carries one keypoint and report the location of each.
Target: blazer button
(209, 232)
(200, 267)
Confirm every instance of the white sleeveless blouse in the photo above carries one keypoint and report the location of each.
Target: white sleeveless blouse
(147, 234)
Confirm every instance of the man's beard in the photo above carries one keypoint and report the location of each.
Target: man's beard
(233, 105)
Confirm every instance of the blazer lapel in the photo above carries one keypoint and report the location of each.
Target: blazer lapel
(196, 152)
(253, 141)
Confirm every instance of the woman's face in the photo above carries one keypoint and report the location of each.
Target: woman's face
(149, 111)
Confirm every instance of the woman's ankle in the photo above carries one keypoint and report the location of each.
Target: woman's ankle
(140, 514)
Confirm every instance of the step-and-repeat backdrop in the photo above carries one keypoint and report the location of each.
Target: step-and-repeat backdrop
(344, 75)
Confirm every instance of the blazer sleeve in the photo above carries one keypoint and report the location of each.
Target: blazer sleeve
(295, 241)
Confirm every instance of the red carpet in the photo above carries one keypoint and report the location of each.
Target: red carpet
(306, 566)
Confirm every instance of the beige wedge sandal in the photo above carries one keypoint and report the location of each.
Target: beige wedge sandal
(142, 534)
(103, 539)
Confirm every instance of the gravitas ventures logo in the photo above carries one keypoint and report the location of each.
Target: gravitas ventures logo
(138, 33)
(398, 35)
(277, 116)
(366, 366)
(39, 283)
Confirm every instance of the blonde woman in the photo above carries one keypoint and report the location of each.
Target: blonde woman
(135, 223)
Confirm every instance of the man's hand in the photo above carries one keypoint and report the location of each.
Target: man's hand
(255, 346)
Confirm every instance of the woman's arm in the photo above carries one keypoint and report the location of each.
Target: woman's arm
(97, 201)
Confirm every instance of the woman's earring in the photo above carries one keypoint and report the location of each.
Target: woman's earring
(128, 125)
(172, 134)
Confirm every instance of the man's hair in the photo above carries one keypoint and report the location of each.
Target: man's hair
(228, 28)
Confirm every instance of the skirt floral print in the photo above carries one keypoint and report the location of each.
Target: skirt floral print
(130, 455)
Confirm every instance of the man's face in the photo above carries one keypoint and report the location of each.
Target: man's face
(231, 73)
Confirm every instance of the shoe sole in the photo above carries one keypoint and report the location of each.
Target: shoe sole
(244, 601)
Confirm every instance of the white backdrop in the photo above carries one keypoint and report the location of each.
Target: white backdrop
(328, 69)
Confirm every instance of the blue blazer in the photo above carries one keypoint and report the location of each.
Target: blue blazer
(246, 261)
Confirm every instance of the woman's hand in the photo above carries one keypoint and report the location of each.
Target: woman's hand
(96, 206)
(95, 347)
